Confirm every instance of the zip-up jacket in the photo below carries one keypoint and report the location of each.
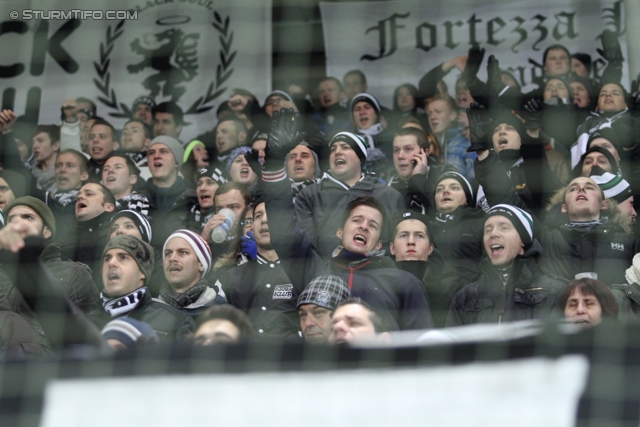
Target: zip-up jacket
(526, 294)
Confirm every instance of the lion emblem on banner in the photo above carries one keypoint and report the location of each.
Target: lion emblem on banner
(172, 55)
(174, 59)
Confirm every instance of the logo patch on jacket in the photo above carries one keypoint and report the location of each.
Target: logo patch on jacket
(283, 292)
(617, 246)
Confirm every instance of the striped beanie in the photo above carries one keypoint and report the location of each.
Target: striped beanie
(138, 219)
(613, 186)
(357, 143)
(521, 220)
(369, 99)
(197, 243)
(466, 186)
(129, 331)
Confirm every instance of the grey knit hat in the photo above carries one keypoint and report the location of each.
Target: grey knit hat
(141, 251)
(39, 207)
(325, 291)
(173, 144)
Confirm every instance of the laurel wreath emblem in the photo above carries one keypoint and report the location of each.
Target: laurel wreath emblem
(200, 105)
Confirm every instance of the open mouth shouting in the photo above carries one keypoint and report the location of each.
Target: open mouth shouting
(80, 206)
(204, 198)
(360, 240)
(496, 250)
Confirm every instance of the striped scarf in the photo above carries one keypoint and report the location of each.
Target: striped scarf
(124, 304)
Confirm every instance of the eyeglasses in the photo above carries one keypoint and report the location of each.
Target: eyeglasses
(247, 222)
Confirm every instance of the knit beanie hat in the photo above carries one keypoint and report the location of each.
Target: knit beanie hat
(521, 220)
(412, 215)
(326, 291)
(197, 243)
(606, 133)
(187, 151)
(577, 171)
(282, 94)
(141, 251)
(238, 151)
(148, 100)
(466, 186)
(173, 144)
(613, 186)
(369, 99)
(315, 157)
(506, 116)
(138, 219)
(356, 142)
(15, 181)
(128, 330)
(39, 207)
(213, 173)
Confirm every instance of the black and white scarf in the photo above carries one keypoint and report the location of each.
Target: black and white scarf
(65, 198)
(124, 304)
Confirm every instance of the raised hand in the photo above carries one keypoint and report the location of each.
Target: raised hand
(474, 60)
(533, 114)
(611, 50)
(7, 120)
(249, 245)
(479, 121)
(283, 137)
(494, 80)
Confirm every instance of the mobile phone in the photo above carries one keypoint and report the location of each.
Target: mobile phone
(414, 163)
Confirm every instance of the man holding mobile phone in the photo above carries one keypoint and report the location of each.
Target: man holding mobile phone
(414, 170)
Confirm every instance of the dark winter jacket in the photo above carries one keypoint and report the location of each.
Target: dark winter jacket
(395, 294)
(603, 249)
(169, 323)
(87, 242)
(169, 209)
(320, 208)
(75, 279)
(430, 274)
(526, 294)
(262, 289)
